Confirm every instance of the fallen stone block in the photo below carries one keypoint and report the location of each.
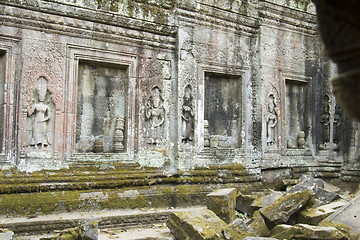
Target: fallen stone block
(237, 230)
(326, 196)
(89, 230)
(195, 224)
(346, 230)
(316, 187)
(307, 183)
(86, 231)
(243, 203)
(305, 231)
(315, 215)
(331, 188)
(7, 235)
(279, 229)
(266, 200)
(282, 209)
(222, 203)
(258, 226)
(348, 214)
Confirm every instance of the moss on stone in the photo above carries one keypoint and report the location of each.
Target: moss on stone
(346, 230)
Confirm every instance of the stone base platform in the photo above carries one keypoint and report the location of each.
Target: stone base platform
(127, 224)
(92, 186)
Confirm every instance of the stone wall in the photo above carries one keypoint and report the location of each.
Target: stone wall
(173, 84)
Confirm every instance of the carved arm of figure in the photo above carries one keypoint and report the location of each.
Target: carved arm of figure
(31, 108)
(187, 109)
(325, 119)
(272, 120)
(148, 110)
(46, 114)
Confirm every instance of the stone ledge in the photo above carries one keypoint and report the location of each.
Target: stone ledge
(108, 219)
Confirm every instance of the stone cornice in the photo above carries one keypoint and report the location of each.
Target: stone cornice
(92, 15)
(284, 17)
(48, 22)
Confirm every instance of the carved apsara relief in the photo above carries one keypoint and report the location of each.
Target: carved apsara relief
(41, 121)
(155, 116)
(337, 126)
(43, 61)
(187, 116)
(325, 122)
(272, 118)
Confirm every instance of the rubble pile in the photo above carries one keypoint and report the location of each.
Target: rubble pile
(311, 209)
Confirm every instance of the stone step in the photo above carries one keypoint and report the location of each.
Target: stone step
(92, 176)
(46, 226)
(154, 196)
(113, 186)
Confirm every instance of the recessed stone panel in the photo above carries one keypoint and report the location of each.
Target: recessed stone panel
(296, 113)
(101, 103)
(223, 109)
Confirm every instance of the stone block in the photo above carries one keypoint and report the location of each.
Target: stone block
(222, 203)
(348, 214)
(244, 202)
(316, 187)
(305, 231)
(237, 230)
(315, 215)
(258, 225)
(331, 187)
(326, 196)
(279, 229)
(265, 201)
(307, 183)
(282, 209)
(9, 235)
(89, 230)
(195, 224)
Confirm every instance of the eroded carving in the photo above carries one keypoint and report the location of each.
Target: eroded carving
(119, 135)
(337, 127)
(187, 116)
(325, 123)
(301, 140)
(155, 116)
(272, 121)
(40, 115)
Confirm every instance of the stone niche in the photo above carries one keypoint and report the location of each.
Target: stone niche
(223, 109)
(101, 107)
(2, 100)
(41, 122)
(296, 111)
